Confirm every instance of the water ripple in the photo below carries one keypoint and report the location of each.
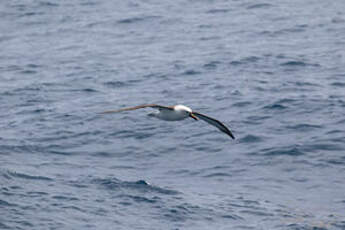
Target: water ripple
(137, 19)
(250, 139)
(7, 204)
(304, 127)
(285, 150)
(14, 175)
(259, 6)
(140, 186)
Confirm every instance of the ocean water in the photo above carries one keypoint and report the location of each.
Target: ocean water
(272, 71)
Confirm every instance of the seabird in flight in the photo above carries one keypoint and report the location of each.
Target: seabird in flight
(177, 113)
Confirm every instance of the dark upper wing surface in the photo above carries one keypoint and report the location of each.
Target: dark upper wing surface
(155, 106)
(215, 123)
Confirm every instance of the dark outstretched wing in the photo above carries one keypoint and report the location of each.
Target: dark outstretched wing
(155, 106)
(215, 123)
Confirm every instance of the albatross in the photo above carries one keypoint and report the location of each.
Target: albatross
(177, 113)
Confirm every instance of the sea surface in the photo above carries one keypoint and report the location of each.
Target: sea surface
(272, 71)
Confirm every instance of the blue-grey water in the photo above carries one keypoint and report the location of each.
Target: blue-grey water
(273, 71)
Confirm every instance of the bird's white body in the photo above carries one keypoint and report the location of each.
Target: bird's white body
(179, 112)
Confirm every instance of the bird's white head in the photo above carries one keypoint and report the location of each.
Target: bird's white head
(185, 111)
(182, 108)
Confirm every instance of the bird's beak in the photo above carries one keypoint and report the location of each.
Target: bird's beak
(193, 116)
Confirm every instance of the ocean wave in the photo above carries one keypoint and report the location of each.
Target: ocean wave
(16, 175)
(304, 127)
(218, 11)
(275, 106)
(338, 84)
(283, 150)
(251, 139)
(211, 65)
(137, 19)
(191, 72)
(4, 226)
(140, 186)
(259, 6)
(137, 199)
(115, 84)
(293, 64)
(4, 203)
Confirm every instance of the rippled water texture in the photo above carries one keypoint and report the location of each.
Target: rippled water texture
(273, 71)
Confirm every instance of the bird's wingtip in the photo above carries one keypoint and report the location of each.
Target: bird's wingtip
(232, 136)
